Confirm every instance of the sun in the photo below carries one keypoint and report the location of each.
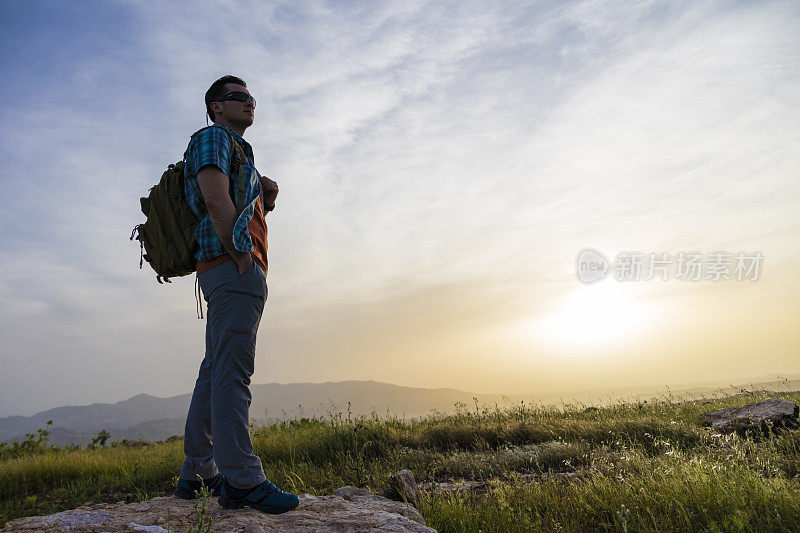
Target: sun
(599, 316)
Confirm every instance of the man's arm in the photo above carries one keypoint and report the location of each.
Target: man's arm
(214, 187)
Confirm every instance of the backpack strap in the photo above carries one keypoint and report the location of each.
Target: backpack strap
(238, 160)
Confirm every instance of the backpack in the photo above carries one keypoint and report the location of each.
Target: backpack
(167, 238)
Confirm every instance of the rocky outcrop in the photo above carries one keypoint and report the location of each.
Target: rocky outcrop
(348, 509)
(446, 487)
(402, 487)
(762, 415)
(481, 487)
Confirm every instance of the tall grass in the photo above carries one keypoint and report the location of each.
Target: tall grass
(655, 459)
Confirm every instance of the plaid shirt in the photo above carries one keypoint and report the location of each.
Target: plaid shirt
(213, 146)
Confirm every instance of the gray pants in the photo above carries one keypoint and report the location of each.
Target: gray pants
(219, 411)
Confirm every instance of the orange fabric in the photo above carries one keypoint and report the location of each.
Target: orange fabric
(257, 227)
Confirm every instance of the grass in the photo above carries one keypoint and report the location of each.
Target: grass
(630, 466)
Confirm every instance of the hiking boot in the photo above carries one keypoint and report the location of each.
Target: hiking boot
(188, 489)
(265, 497)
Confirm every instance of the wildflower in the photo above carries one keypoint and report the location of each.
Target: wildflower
(622, 515)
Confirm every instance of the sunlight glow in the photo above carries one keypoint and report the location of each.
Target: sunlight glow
(594, 316)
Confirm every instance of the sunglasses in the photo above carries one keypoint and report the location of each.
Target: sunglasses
(238, 96)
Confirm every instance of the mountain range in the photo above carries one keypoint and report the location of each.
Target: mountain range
(152, 418)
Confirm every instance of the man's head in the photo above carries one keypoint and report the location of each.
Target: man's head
(222, 106)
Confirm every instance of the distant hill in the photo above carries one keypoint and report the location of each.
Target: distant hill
(152, 418)
(140, 408)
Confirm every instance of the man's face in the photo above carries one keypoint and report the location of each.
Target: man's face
(233, 112)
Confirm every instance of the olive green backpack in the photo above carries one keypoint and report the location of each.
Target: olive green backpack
(167, 238)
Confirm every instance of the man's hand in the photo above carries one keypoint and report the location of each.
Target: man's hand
(243, 262)
(270, 188)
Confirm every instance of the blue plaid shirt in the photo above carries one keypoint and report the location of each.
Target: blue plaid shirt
(213, 146)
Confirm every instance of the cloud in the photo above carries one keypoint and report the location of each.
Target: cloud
(419, 146)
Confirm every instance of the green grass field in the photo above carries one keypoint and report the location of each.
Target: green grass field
(625, 467)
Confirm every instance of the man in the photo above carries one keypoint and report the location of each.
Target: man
(231, 271)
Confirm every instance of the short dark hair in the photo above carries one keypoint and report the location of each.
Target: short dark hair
(217, 91)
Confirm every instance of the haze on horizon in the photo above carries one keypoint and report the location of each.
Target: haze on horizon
(441, 165)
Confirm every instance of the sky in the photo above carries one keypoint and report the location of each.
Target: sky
(441, 166)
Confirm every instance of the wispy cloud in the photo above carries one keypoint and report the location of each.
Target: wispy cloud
(423, 150)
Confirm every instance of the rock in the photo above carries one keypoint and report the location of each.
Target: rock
(367, 499)
(402, 487)
(481, 487)
(151, 529)
(772, 412)
(560, 476)
(349, 509)
(444, 487)
(138, 443)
